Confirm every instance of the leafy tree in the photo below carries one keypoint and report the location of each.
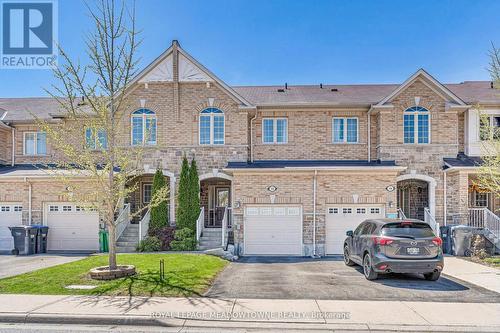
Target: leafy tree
(183, 206)
(92, 99)
(488, 177)
(194, 195)
(159, 213)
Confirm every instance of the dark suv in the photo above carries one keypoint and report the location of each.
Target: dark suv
(398, 246)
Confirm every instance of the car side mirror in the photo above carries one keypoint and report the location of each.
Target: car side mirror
(349, 233)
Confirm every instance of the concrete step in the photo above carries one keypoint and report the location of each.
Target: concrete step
(211, 236)
(126, 244)
(204, 248)
(126, 238)
(125, 249)
(130, 234)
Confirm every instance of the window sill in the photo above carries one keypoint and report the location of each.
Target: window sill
(37, 155)
(346, 143)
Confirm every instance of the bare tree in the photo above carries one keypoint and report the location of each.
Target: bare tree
(91, 139)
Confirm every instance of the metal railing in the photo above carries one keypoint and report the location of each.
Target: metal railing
(431, 220)
(144, 225)
(401, 214)
(224, 228)
(200, 224)
(484, 218)
(122, 221)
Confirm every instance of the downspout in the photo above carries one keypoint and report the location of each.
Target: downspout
(13, 146)
(444, 198)
(29, 200)
(251, 137)
(369, 139)
(314, 213)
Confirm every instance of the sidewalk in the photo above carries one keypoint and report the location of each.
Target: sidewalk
(480, 275)
(252, 313)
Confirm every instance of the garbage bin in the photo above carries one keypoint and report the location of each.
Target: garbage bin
(445, 232)
(24, 239)
(41, 238)
(103, 241)
(461, 238)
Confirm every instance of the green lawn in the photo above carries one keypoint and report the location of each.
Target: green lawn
(493, 261)
(185, 275)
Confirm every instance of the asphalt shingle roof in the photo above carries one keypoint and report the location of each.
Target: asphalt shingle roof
(472, 92)
(278, 164)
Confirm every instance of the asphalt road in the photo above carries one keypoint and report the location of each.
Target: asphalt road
(329, 278)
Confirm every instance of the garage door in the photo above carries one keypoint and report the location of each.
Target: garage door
(341, 218)
(273, 230)
(10, 215)
(71, 227)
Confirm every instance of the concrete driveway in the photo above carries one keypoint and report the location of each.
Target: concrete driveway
(13, 265)
(329, 278)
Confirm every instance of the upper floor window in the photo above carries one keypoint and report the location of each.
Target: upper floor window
(416, 125)
(35, 143)
(143, 127)
(274, 130)
(96, 139)
(345, 130)
(211, 127)
(489, 127)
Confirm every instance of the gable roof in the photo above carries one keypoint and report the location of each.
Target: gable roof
(431, 82)
(161, 70)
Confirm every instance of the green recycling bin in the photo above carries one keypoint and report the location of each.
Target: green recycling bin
(103, 241)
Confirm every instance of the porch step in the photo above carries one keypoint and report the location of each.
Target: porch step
(125, 249)
(204, 248)
(128, 240)
(211, 238)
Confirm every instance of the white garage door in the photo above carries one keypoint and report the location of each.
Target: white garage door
(273, 230)
(10, 215)
(342, 218)
(71, 227)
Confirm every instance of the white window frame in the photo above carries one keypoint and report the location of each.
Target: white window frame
(144, 189)
(95, 137)
(491, 128)
(212, 115)
(143, 116)
(35, 148)
(344, 139)
(415, 126)
(275, 130)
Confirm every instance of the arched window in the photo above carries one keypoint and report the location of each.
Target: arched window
(212, 127)
(416, 125)
(143, 127)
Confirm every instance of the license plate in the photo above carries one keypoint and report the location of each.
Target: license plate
(412, 250)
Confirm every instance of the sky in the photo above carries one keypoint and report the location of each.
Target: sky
(270, 42)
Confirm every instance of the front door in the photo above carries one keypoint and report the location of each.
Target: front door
(219, 202)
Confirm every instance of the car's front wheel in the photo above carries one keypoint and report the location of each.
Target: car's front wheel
(347, 259)
(370, 274)
(433, 276)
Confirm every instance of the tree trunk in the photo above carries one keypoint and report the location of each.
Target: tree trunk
(112, 245)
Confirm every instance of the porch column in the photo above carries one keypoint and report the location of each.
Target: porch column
(458, 196)
(172, 200)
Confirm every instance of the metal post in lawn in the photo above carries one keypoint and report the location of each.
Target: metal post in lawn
(162, 269)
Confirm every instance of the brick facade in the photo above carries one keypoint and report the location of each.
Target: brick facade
(297, 188)
(177, 106)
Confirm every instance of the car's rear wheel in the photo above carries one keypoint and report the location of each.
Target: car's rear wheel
(370, 274)
(433, 276)
(347, 259)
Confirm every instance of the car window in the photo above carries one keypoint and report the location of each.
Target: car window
(359, 228)
(415, 230)
(370, 227)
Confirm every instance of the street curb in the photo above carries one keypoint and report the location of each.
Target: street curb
(137, 320)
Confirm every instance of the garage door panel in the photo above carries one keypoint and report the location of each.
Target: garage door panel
(10, 215)
(342, 218)
(74, 230)
(273, 230)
